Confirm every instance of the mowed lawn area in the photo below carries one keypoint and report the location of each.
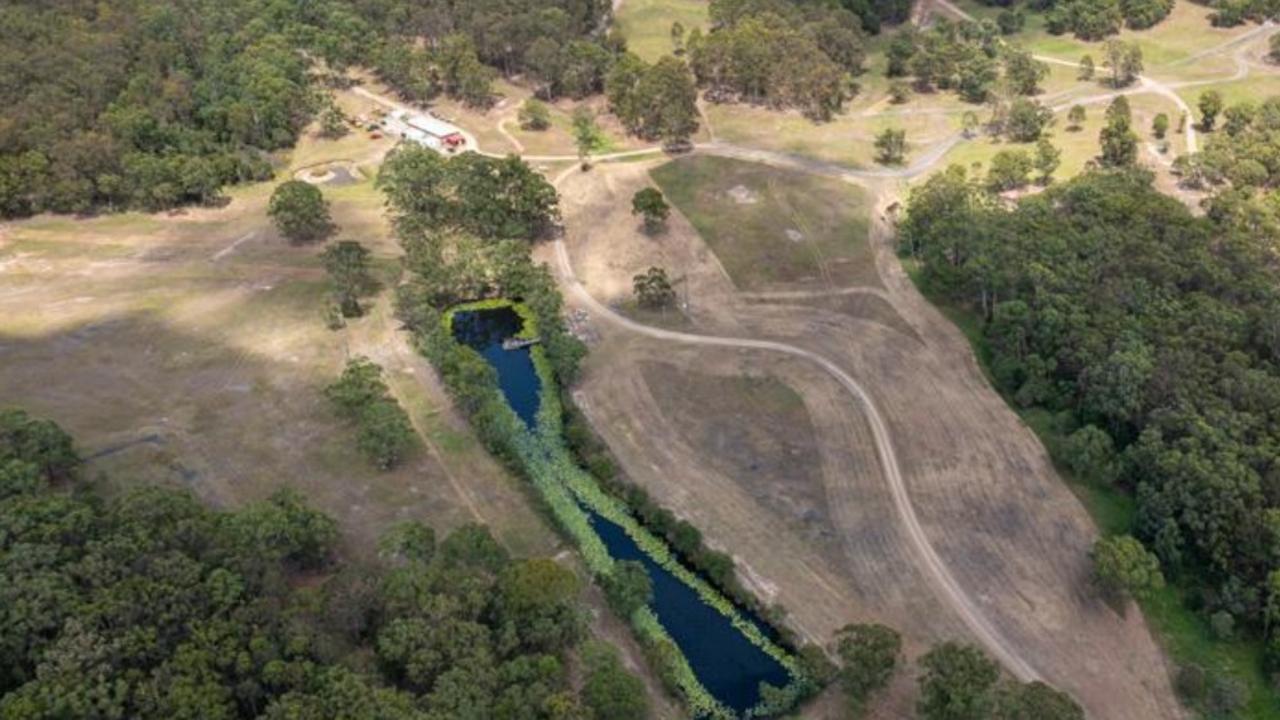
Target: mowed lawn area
(773, 228)
(646, 24)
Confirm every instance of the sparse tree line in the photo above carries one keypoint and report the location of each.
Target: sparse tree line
(957, 681)
(152, 605)
(1241, 155)
(1151, 337)
(361, 396)
(1090, 19)
(969, 58)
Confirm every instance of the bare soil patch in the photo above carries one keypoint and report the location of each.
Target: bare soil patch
(762, 431)
(1009, 531)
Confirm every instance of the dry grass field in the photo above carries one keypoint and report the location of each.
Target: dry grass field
(709, 432)
(773, 228)
(190, 348)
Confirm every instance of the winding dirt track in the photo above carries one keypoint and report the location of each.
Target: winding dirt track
(936, 569)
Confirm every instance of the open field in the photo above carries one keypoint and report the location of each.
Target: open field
(981, 487)
(646, 24)
(191, 349)
(848, 139)
(770, 227)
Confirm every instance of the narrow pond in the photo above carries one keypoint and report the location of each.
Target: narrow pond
(727, 664)
(484, 331)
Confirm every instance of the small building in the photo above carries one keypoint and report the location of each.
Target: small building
(430, 131)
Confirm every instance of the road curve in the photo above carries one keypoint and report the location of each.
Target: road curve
(934, 567)
(1145, 85)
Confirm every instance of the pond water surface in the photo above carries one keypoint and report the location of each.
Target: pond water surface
(484, 331)
(727, 664)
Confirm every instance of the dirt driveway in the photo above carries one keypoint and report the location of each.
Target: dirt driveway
(1003, 560)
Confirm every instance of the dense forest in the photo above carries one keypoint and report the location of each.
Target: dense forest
(802, 55)
(967, 58)
(152, 605)
(1152, 336)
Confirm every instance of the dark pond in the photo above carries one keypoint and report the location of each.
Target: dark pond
(727, 664)
(484, 331)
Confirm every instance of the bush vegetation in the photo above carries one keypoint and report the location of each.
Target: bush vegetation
(1148, 337)
(152, 605)
(384, 433)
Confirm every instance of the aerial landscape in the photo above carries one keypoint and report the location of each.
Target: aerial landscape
(629, 359)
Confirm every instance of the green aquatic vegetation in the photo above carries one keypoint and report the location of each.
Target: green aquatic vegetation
(545, 459)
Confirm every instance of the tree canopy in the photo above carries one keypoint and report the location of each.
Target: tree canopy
(489, 197)
(299, 211)
(656, 102)
(782, 54)
(151, 104)
(1096, 19)
(1120, 313)
(152, 605)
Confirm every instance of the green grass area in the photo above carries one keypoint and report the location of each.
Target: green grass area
(1184, 32)
(1184, 634)
(646, 24)
(1254, 88)
(772, 227)
(1080, 146)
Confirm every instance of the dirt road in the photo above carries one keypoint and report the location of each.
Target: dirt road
(937, 570)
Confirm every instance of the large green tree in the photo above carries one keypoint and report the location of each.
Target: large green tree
(300, 211)
(868, 657)
(656, 101)
(493, 198)
(1117, 138)
(609, 691)
(653, 289)
(347, 263)
(1123, 568)
(652, 206)
(957, 683)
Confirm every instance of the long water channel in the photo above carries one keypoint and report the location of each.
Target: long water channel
(727, 664)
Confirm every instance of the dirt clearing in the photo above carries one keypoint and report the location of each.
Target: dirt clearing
(1008, 533)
